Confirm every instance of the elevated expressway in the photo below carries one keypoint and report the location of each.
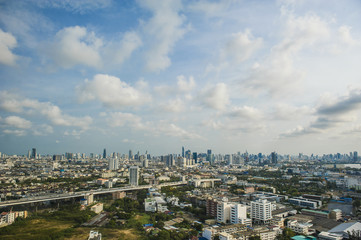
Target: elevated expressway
(52, 197)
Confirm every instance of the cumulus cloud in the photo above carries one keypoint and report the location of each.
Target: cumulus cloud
(331, 114)
(16, 132)
(43, 130)
(17, 122)
(216, 97)
(7, 43)
(285, 111)
(183, 85)
(276, 74)
(110, 91)
(74, 46)
(246, 112)
(241, 46)
(15, 103)
(120, 119)
(129, 43)
(164, 29)
(174, 105)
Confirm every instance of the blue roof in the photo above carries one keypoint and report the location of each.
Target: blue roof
(301, 237)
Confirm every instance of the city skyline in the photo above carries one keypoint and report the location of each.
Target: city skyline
(270, 76)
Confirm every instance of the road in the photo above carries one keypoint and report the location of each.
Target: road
(52, 197)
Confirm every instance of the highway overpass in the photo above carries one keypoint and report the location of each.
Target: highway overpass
(52, 197)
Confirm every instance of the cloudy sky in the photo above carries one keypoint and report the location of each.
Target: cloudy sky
(227, 75)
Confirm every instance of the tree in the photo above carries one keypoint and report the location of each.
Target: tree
(255, 238)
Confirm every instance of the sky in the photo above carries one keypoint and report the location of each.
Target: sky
(149, 75)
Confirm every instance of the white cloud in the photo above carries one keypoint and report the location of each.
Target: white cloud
(277, 75)
(15, 103)
(74, 46)
(174, 105)
(345, 35)
(170, 129)
(7, 43)
(246, 112)
(120, 119)
(285, 111)
(18, 133)
(241, 46)
(111, 91)
(123, 50)
(17, 122)
(164, 29)
(43, 130)
(216, 97)
(185, 86)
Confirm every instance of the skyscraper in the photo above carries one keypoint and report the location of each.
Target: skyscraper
(133, 175)
(130, 155)
(195, 156)
(182, 151)
(355, 156)
(113, 164)
(274, 157)
(105, 153)
(33, 153)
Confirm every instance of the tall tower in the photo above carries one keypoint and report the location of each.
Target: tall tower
(133, 175)
(33, 153)
(130, 155)
(274, 157)
(355, 156)
(105, 153)
(182, 151)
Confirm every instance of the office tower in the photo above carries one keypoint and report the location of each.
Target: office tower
(133, 175)
(261, 211)
(57, 157)
(104, 153)
(209, 155)
(355, 156)
(182, 151)
(130, 155)
(195, 157)
(33, 153)
(170, 160)
(145, 163)
(29, 154)
(274, 157)
(113, 164)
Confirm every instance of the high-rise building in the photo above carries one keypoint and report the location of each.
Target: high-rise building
(261, 211)
(113, 163)
(238, 213)
(104, 153)
(130, 155)
(355, 156)
(274, 157)
(33, 153)
(170, 160)
(195, 157)
(223, 212)
(133, 175)
(182, 151)
(145, 163)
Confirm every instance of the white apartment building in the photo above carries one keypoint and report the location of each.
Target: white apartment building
(261, 211)
(113, 164)
(223, 212)
(301, 228)
(238, 212)
(228, 212)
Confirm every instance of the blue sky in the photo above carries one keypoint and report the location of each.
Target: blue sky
(262, 76)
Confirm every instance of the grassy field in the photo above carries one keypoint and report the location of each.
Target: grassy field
(83, 233)
(37, 229)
